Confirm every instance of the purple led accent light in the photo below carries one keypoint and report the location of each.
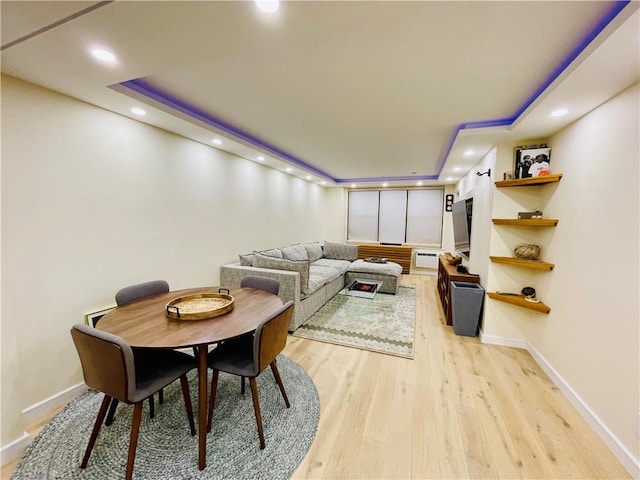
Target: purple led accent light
(143, 88)
(140, 86)
(617, 7)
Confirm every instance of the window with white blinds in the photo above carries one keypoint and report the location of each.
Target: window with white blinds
(396, 216)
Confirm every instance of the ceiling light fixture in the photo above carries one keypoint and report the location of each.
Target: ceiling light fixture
(560, 112)
(450, 179)
(353, 185)
(308, 177)
(268, 6)
(385, 184)
(138, 111)
(289, 169)
(103, 55)
(261, 158)
(419, 184)
(457, 169)
(323, 183)
(216, 141)
(468, 152)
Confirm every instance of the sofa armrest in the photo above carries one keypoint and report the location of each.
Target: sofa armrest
(231, 274)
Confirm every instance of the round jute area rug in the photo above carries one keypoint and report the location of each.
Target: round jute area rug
(165, 447)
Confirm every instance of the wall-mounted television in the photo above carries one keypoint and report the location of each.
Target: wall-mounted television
(462, 212)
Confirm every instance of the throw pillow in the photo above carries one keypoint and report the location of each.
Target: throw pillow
(340, 251)
(274, 252)
(300, 266)
(295, 252)
(246, 260)
(314, 251)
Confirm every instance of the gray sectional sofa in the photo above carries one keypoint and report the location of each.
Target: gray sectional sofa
(310, 274)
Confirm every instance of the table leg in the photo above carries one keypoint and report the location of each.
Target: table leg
(202, 406)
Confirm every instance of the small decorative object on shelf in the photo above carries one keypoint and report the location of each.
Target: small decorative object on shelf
(527, 251)
(536, 214)
(452, 259)
(529, 294)
(507, 175)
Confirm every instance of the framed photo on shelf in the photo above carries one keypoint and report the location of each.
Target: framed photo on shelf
(532, 161)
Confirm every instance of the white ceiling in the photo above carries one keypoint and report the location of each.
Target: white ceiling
(345, 92)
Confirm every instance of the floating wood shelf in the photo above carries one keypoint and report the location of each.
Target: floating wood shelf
(519, 262)
(527, 222)
(525, 182)
(519, 301)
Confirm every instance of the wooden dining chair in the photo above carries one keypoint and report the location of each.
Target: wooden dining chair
(127, 295)
(249, 356)
(270, 285)
(109, 366)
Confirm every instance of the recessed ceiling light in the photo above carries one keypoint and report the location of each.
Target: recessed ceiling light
(216, 141)
(323, 183)
(419, 184)
(308, 177)
(138, 111)
(457, 169)
(469, 152)
(450, 179)
(103, 55)
(385, 184)
(268, 6)
(261, 158)
(353, 185)
(289, 169)
(560, 112)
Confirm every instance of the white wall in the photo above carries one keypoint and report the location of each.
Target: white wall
(590, 340)
(93, 201)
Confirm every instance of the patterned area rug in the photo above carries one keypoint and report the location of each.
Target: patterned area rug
(165, 447)
(384, 324)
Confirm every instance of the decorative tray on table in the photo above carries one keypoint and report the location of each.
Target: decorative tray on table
(200, 306)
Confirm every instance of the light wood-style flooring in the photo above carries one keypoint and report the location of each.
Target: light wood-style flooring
(459, 409)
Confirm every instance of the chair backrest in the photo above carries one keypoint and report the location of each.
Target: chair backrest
(107, 361)
(135, 292)
(270, 285)
(271, 337)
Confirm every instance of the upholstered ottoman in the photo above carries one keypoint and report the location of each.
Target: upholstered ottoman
(387, 273)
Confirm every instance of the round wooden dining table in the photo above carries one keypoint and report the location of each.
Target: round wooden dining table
(144, 323)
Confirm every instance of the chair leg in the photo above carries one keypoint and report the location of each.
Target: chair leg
(187, 402)
(242, 385)
(276, 374)
(133, 439)
(161, 395)
(96, 429)
(112, 411)
(212, 399)
(256, 408)
(152, 409)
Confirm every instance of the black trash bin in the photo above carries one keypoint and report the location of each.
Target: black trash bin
(466, 306)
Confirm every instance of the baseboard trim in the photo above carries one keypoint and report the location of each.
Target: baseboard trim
(32, 413)
(626, 458)
(503, 341)
(14, 450)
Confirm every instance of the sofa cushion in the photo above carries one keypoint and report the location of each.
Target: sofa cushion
(295, 252)
(340, 265)
(340, 251)
(314, 251)
(246, 260)
(301, 266)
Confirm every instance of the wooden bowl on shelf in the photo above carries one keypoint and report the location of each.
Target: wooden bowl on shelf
(452, 259)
